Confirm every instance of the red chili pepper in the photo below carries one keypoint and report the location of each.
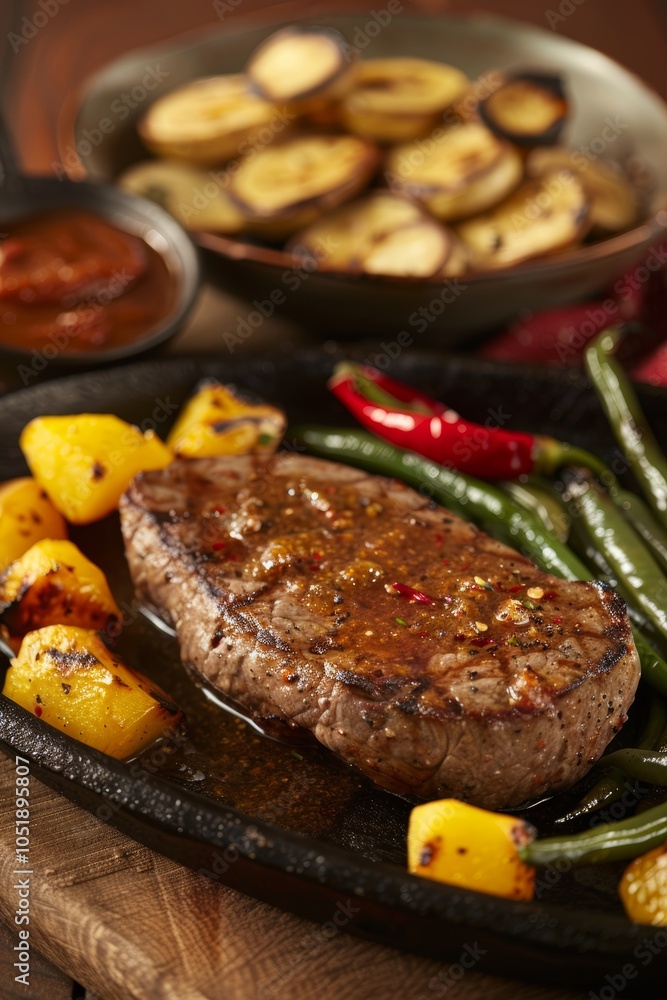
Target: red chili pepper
(415, 595)
(410, 419)
(483, 640)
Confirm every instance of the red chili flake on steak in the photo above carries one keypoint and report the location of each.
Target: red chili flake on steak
(403, 590)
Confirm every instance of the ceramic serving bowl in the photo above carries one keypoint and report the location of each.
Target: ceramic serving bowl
(615, 116)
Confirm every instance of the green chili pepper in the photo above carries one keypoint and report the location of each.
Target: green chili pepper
(607, 842)
(595, 558)
(645, 524)
(543, 504)
(644, 765)
(627, 421)
(637, 572)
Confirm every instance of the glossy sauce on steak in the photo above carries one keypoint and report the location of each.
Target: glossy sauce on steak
(413, 645)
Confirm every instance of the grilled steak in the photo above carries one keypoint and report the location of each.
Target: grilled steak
(435, 659)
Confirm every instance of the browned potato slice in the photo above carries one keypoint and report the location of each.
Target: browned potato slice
(529, 109)
(419, 249)
(207, 120)
(544, 215)
(458, 261)
(291, 184)
(465, 170)
(303, 67)
(395, 100)
(190, 194)
(613, 200)
(383, 233)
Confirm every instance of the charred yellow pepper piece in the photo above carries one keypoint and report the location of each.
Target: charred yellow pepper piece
(450, 841)
(69, 678)
(643, 888)
(54, 584)
(216, 421)
(86, 462)
(26, 515)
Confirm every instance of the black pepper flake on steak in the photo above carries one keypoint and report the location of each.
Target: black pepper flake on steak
(399, 707)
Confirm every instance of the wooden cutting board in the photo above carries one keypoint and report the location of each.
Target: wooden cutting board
(131, 925)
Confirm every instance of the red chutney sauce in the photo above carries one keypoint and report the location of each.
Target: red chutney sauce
(71, 279)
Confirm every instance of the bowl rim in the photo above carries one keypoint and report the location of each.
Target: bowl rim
(644, 234)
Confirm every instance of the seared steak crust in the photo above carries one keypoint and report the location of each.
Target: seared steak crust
(477, 676)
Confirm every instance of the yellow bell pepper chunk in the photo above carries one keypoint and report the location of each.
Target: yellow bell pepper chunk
(26, 515)
(86, 462)
(53, 583)
(450, 841)
(216, 421)
(643, 888)
(68, 677)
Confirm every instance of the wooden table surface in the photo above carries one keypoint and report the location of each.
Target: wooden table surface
(112, 915)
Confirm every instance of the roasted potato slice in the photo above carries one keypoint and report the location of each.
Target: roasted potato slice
(458, 261)
(529, 109)
(85, 462)
(191, 195)
(53, 583)
(26, 516)
(291, 184)
(643, 888)
(207, 120)
(465, 170)
(306, 68)
(396, 100)
(544, 215)
(613, 201)
(382, 233)
(450, 841)
(69, 678)
(219, 421)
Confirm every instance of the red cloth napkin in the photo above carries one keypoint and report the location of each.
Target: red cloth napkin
(559, 336)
